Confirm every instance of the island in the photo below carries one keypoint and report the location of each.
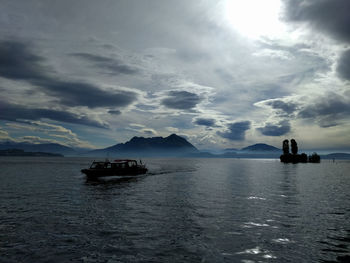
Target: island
(294, 157)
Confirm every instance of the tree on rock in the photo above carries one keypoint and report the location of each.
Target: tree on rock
(314, 158)
(294, 157)
(285, 147)
(294, 147)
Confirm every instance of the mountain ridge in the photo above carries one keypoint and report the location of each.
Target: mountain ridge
(170, 146)
(173, 145)
(260, 147)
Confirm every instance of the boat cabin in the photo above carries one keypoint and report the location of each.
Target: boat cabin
(117, 164)
(116, 167)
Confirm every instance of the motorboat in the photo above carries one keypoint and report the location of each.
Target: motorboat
(123, 167)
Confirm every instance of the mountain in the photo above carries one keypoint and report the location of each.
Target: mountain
(45, 147)
(172, 145)
(228, 150)
(260, 147)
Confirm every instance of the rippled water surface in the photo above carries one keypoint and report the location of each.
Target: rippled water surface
(184, 210)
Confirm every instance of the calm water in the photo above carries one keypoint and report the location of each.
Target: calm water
(185, 210)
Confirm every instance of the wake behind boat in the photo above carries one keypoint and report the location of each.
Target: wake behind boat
(115, 168)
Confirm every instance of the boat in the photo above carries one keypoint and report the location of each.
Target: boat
(123, 167)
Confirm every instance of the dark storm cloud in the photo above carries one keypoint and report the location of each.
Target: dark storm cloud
(236, 131)
(15, 112)
(17, 62)
(182, 100)
(343, 67)
(328, 110)
(115, 112)
(114, 66)
(329, 16)
(285, 108)
(279, 129)
(205, 122)
(72, 94)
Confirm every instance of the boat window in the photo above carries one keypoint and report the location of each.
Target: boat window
(97, 165)
(108, 165)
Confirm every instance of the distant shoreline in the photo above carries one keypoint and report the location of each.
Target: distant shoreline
(22, 153)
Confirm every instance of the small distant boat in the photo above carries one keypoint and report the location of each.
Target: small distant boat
(115, 168)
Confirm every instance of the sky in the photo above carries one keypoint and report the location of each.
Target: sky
(222, 74)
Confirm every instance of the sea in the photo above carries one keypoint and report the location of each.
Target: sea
(182, 210)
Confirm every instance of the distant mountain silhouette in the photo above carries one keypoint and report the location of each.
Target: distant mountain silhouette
(231, 150)
(260, 147)
(17, 152)
(172, 145)
(44, 147)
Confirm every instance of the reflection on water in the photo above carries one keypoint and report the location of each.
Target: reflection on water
(282, 240)
(183, 210)
(113, 180)
(256, 251)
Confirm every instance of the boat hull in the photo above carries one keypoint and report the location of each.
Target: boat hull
(94, 173)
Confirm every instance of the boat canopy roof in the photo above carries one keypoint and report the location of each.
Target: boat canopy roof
(107, 163)
(116, 161)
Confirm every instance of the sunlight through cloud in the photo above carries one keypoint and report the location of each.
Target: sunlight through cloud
(254, 18)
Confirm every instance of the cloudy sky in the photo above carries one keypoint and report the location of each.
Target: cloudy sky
(224, 74)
